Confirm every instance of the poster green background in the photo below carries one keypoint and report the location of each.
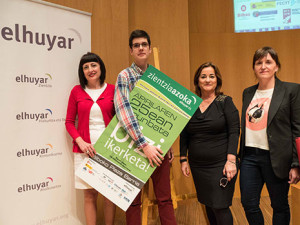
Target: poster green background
(151, 110)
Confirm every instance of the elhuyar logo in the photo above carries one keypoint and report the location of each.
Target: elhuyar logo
(45, 116)
(52, 220)
(41, 186)
(23, 34)
(41, 152)
(34, 116)
(42, 81)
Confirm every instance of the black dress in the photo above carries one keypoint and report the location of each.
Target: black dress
(208, 138)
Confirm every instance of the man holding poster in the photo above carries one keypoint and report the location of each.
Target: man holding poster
(139, 43)
(152, 109)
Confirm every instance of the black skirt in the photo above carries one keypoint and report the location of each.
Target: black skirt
(209, 191)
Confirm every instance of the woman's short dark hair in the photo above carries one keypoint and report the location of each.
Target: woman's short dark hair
(217, 73)
(264, 51)
(90, 57)
(138, 34)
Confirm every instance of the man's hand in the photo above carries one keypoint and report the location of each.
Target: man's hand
(171, 155)
(154, 154)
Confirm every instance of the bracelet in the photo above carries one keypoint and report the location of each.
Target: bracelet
(183, 160)
(231, 162)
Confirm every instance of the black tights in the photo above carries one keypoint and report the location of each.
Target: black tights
(219, 216)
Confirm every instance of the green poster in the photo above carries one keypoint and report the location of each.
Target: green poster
(163, 107)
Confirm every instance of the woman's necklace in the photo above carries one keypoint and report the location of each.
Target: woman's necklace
(206, 103)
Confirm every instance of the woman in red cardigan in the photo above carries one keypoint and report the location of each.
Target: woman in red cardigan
(92, 103)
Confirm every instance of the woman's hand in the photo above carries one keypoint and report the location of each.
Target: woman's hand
(294, 175)
(230, 169)
(87, 148)
(185, 169)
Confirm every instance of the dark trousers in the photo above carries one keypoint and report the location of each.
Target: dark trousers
(256, 169)
(162, 190)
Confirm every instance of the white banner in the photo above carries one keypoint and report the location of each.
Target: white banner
(40, 51)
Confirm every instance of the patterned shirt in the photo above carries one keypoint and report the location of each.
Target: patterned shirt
(126, 81)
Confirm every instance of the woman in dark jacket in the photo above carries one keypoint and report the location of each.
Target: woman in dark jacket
(270, 123)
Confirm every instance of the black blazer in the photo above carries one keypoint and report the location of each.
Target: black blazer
(282, 128)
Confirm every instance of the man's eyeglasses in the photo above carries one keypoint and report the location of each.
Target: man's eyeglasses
(137, 45)
(223, 182)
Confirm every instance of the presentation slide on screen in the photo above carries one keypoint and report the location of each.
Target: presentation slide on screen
(262, 15)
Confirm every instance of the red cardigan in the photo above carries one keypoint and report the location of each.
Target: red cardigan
(80, 103)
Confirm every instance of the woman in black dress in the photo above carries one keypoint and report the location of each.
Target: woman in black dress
(211, 139)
